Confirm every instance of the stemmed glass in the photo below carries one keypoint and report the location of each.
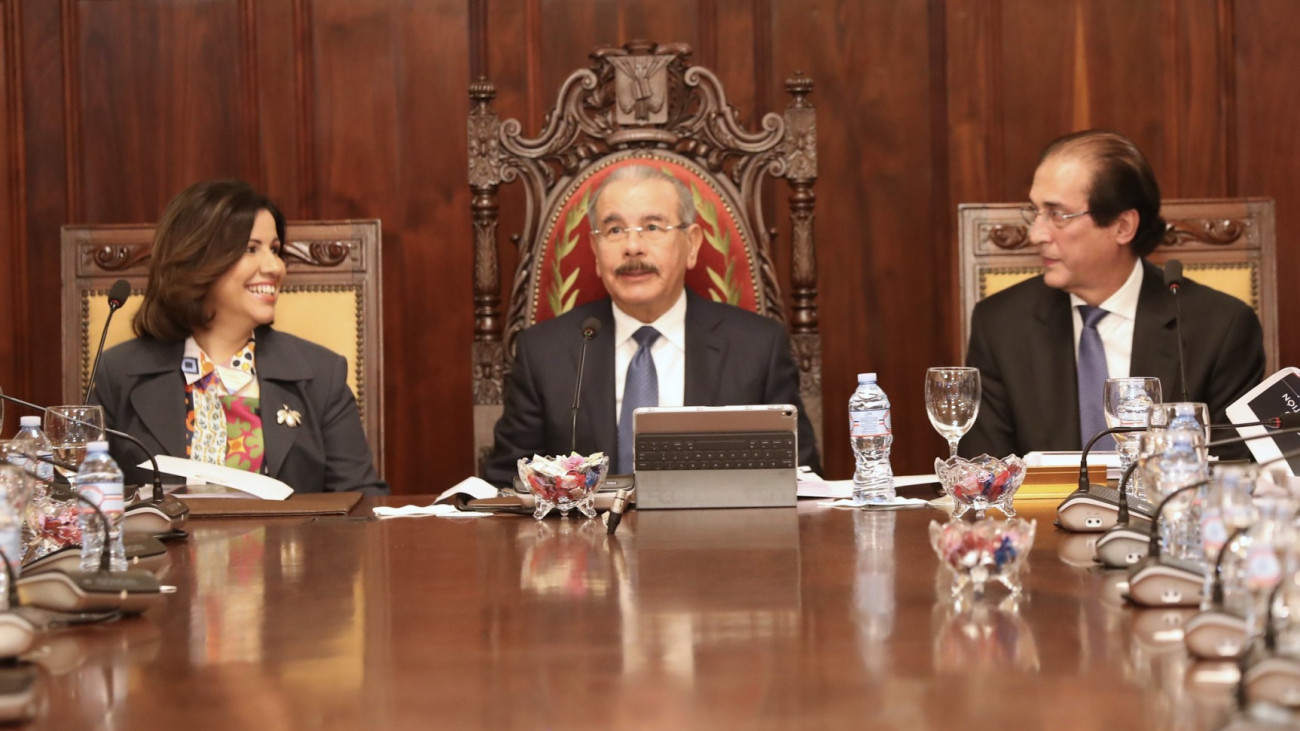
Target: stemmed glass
(952, 401)
(1128, 402)
(70, 429)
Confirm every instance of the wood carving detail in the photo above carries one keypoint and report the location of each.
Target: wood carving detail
(326, 254)
(1213, 231)
(117, 258)
(1005, 236)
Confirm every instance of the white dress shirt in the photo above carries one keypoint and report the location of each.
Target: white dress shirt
(668, 351)
(1116, 328)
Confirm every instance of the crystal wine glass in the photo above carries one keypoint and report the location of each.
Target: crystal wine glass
(70, 429)
(952, 401)
(1128, 402)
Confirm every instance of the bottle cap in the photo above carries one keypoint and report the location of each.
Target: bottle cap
(866, 378)
(92, 447)
(27, 421)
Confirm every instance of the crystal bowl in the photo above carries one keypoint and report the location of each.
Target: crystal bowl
(981, 483)
(564, 483)
(985, 550)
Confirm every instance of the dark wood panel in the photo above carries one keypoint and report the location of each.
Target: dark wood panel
(1268, 114)
(162, 95)
(389, 112)
(13, 301)
(884, 261)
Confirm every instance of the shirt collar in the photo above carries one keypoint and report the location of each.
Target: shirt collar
(233, 376)
(671, 325)
(1125, 300)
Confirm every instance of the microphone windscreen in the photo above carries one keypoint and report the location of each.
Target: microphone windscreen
(590, 328)
(119, 293)
(1173, 273)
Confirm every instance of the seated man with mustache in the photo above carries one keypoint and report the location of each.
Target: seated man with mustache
(676, 348)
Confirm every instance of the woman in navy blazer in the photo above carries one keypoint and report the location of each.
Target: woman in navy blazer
(209, 378)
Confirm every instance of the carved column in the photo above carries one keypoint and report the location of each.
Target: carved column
(801, 171)
(484, 178)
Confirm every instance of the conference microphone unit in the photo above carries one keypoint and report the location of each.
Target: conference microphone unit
(1273, 678)
(1156, 581)
(1125, 543)
(1217, 633)
(161, 514)
(117, 296)
(590, 329)
(1174, 281)
(1093, 508)
(18, 680)
(128, 592)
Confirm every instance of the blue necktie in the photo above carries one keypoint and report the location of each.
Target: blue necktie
(1092, 380)
(641, 388)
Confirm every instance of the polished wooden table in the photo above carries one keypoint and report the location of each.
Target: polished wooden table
(778, 618)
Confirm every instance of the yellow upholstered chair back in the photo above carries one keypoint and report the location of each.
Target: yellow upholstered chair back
(1227, 244)
(642, 102)
(331, 296)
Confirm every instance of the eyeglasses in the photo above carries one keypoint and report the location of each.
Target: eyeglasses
(651, 233)
(1058, 217)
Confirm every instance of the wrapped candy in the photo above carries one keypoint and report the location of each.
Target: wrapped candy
(564, 482)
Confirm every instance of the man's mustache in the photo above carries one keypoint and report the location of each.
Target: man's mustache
(637, 266)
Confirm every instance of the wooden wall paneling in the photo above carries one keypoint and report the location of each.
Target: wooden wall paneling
(881, 300)
(1200, 100)
(162, 96)
(278, 43)
(13, 255)
(45, 194)
(1267, 116)
(389, 86)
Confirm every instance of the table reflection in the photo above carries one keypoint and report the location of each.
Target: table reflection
(874, 601)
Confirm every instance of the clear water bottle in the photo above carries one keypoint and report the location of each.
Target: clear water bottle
(12, 482)
(872, 435)
(34, 442)
(100, 481)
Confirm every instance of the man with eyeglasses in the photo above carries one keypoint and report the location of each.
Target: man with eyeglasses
(1046, 346)
(659, 344)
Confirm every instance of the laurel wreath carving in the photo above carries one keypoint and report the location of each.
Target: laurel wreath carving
(719, 239)
(562, 294)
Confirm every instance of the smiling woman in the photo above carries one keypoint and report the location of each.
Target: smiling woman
(208, 377)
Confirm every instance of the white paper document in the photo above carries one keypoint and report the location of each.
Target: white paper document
(475, 487)
(200, 473)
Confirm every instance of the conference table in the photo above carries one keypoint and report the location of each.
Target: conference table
(807, 617)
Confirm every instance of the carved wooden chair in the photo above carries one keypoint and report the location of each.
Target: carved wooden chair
(331, 296)
(1226, 244)
(639, 102)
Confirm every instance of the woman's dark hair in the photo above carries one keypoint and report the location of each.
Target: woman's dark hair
(203, 232)
(1122, 180)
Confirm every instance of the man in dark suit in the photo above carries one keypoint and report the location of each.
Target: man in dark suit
(655, 338)
(1095, 212)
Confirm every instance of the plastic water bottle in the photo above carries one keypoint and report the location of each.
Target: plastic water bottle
(34, 442)
(12, 482)
(100, 481)
(872, 434)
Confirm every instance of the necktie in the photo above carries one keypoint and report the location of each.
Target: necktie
(1092, 379)
(641, 388)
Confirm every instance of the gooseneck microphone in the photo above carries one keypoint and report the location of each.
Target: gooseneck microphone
(170, 509)
(590, 329)
(1174, 281)
(117, 296)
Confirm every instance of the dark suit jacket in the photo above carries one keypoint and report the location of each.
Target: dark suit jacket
(142, 390)
(1022, 340)
(733, 357)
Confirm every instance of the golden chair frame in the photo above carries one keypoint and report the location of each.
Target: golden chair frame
(1227, 244)
(638, 100)
(332, 296)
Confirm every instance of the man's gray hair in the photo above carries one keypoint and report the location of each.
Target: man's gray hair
(641, 174)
